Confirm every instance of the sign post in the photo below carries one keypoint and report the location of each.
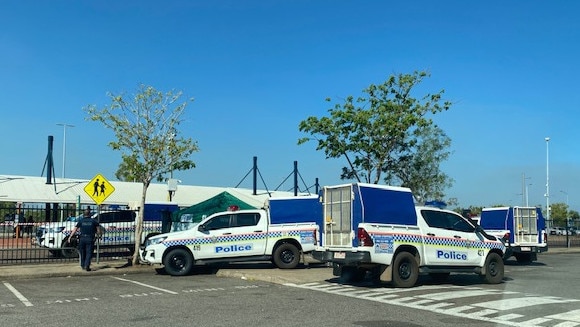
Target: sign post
(99, 190)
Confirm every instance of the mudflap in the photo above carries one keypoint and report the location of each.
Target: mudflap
(386, 274)
(509, 251)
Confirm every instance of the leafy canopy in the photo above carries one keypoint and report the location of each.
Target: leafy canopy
(147, 134)
(386, 135)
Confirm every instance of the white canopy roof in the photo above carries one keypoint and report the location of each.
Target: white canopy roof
(29, 189)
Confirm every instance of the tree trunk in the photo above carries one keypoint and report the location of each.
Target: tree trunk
(139, 225)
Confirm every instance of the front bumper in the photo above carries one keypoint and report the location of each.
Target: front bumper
(150, 255)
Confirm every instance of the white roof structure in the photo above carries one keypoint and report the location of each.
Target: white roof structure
(29, 189)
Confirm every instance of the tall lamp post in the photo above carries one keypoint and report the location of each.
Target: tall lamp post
(64, 126)
(567, 221)
(547, 179)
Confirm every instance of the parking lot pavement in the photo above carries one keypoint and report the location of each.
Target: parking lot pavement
(310, 271)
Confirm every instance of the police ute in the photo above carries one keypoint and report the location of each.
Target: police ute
(378, 230)
(280, 232)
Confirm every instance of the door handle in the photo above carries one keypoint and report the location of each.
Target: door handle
(430, 234)
(227, 234)
(257, 231)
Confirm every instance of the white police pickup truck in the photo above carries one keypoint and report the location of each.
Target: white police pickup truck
(378, 230)
(119, 232)
(281, 232)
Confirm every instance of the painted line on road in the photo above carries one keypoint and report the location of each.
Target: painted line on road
(146, 285)
(19, 295)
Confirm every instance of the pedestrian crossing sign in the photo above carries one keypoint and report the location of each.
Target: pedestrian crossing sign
(99, 189)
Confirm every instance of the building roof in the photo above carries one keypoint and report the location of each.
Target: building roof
(31, 189)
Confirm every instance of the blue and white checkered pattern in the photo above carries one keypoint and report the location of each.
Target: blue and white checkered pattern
(440, 241)
(237, 238)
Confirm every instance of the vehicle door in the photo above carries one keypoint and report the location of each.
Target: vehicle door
(232, 234)
(119, 227)
(450, 240)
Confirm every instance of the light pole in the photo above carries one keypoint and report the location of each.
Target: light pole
(525, 189)
(567, 221)
(527, 194)
(64, 126)
(547, 178)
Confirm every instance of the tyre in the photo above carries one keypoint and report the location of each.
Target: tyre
(439, 277)
(494, 269)
(286, 256)
(178, 262)
(69, 250)
(405, 270)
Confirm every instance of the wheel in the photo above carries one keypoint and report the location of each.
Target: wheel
(493, 269)
(286, 256)
(405, 270)
(69, 250)
(178, 262)
(439, 277)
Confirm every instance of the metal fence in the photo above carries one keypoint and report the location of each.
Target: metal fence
(37, 234)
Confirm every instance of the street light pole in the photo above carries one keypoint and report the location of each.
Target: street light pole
(547, 178)
(64, 126)
(527, 194)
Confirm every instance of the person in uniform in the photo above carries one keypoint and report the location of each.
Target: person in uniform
(89, 229)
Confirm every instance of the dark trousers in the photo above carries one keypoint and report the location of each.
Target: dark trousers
(86, 246)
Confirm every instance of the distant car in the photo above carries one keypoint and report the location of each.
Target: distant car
(559, 231)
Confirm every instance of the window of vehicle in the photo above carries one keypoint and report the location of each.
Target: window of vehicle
(446, 220)
(218, 222)
(117, 216)
(246, 219)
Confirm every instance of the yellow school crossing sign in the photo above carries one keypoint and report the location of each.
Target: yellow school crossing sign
(99, 189)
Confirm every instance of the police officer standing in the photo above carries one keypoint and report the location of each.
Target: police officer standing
(89, 230)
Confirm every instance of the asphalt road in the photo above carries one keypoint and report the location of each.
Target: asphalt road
(544, 294)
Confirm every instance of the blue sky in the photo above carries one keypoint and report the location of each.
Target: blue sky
(257, 68)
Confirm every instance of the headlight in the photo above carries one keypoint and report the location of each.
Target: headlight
(155, 240)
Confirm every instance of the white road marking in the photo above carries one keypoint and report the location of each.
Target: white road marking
(521, 302)
(456, 294)
(509, 316)
(567, 324)
(573, 315)
(19, 295)
(146, 285)
(388, 296)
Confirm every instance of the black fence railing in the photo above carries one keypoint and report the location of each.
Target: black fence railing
(33, 234)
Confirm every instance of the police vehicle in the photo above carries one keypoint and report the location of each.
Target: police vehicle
(281, 232)
(378, 230)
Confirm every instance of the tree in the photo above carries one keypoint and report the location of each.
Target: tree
(384, 135)
(559, 213)
(419, 170)
(145, 127)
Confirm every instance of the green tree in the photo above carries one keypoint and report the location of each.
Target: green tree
(419, 170)
(559, 213)
(145, 127)
(384, 135)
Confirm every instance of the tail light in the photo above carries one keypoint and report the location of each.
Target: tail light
(364, 239)
(506, 237)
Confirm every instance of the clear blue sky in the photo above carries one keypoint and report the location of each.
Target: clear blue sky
(257, 68)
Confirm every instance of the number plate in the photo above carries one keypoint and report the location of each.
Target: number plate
(339, 255)
(526, 249)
